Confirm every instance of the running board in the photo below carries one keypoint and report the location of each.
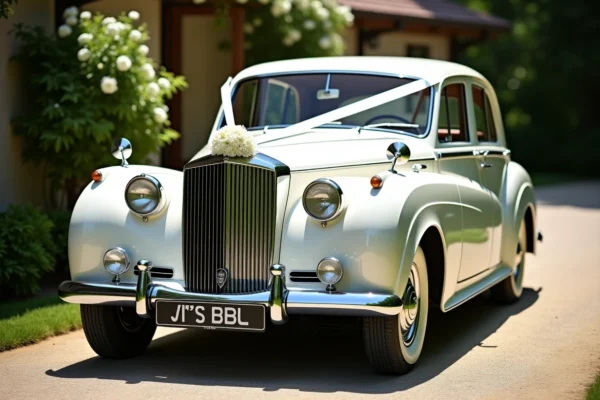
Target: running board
(476, 288)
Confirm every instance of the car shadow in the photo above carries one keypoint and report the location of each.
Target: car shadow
(309, 354)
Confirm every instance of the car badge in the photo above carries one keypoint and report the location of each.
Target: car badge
(221, 277)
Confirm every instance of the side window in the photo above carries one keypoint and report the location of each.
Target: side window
(486, 129)
(452, 123)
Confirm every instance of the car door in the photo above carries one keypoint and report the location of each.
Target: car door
(493, 158)
(457, 158)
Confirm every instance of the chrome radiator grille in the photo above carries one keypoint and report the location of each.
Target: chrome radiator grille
(229, 213)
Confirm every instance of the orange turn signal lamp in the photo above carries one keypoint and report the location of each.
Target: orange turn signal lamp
(97, 176)
(376, 182)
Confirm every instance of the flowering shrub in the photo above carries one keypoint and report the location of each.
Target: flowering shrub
(282, 29)
(233, 141)
(91, 83)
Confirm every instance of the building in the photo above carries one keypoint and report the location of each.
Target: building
(420, 28)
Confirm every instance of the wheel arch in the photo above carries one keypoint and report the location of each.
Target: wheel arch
(433, 247)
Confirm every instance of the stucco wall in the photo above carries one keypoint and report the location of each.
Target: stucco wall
(150, 11)
(19, 182)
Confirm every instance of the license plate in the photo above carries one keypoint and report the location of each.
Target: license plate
(211, 316)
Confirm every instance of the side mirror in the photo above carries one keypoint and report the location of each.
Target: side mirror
(399, 152)
(121, 150)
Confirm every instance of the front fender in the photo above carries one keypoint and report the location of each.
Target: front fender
(379, 231)
(101, 220)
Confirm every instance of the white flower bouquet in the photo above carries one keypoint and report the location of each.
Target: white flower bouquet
(233, 141)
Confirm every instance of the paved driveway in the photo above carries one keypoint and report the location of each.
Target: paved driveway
(545, 346)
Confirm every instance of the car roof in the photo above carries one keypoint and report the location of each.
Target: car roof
(431, 70)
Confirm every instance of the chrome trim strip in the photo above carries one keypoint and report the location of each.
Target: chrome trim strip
(474, 153)
(345, 166)
(294, 302)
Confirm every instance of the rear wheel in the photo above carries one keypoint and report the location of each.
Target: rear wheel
(393, 344)
(116, 332)
(510, 289)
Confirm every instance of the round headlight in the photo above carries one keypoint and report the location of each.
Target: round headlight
(116, 261)
(329, 270)
(143, 195)
(323, 199)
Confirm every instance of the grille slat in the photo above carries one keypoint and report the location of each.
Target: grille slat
(229, 222)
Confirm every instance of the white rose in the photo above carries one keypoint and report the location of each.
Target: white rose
(160, 115)
(108, 20)
(153, 89)
(148, 71)
(295, 35)
(143, 50)
(257, 22)
(70, 12)
(135, 35)
(346, 13)
(123, 63)
(83, 54)
(280, 7)
(309, 24)
(64, 31)
(85, 15)
(134, 15)
(164, 83)
(85, 38)
(112, 29)
(302, 4)
(325, 42)
(71, 21)
(323, 13)
(248, 28)
(316, 5)
(100, 65)
(233, 141)
(109, 85)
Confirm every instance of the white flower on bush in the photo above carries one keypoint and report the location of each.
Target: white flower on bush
(153, 89)
(100, 66)
(70, 12)
(108, 20)
(323, 13)
(233, 141)
(148, 71)
(85, 15)
(83, 54)
(143, 50)
(257, 22)
(295, 35)
(85, 38)
(134, 15)
(135, 35)
(115, 28)
(280, 7)
(164, 83)
(316, 5)
(302, 4)
(123, 63)
(160, 115)
(109, 85)
(248, 28)
(325, 42)
(309, 24)
(71, 21)
(346, 13)
(64, 31)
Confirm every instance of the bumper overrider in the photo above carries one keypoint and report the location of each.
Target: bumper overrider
(279, 301)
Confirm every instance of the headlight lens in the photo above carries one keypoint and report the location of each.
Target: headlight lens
(322, 199)
(116, 261)
(329, 270)
(143, 195)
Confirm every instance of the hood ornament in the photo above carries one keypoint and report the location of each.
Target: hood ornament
(221, 277)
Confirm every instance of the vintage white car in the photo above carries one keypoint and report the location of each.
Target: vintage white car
(371, 187)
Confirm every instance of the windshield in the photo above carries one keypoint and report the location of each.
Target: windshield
(280, 101)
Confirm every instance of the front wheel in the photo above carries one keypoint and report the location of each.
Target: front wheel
(393, 344)
(116, 332)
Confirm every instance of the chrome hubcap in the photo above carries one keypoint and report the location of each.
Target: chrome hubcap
(410, 308)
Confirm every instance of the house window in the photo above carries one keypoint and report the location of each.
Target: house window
(417, 51)
(452, 122)
(486, 129)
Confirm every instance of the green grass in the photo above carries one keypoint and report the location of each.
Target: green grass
(551, 178)
(593, 392)
(29, 321)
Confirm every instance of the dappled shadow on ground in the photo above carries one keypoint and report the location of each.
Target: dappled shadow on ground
(305, 354)
(584, 194)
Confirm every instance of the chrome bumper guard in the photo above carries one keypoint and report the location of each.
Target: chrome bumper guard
(279, 301)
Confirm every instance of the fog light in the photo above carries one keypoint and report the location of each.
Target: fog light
(116, 261)
(329, 271)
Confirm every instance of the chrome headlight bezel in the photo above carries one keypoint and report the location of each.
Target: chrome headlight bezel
(336, 188)
(160, 202)
(337, 265)
(124, 257)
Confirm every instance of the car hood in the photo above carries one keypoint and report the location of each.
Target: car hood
(329, 148)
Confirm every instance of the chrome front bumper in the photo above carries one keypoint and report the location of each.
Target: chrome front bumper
(279, 301)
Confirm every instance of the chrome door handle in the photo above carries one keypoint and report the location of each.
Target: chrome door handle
(485, 165)
(481, 152)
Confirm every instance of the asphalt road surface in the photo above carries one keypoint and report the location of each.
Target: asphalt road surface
(545, 346)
